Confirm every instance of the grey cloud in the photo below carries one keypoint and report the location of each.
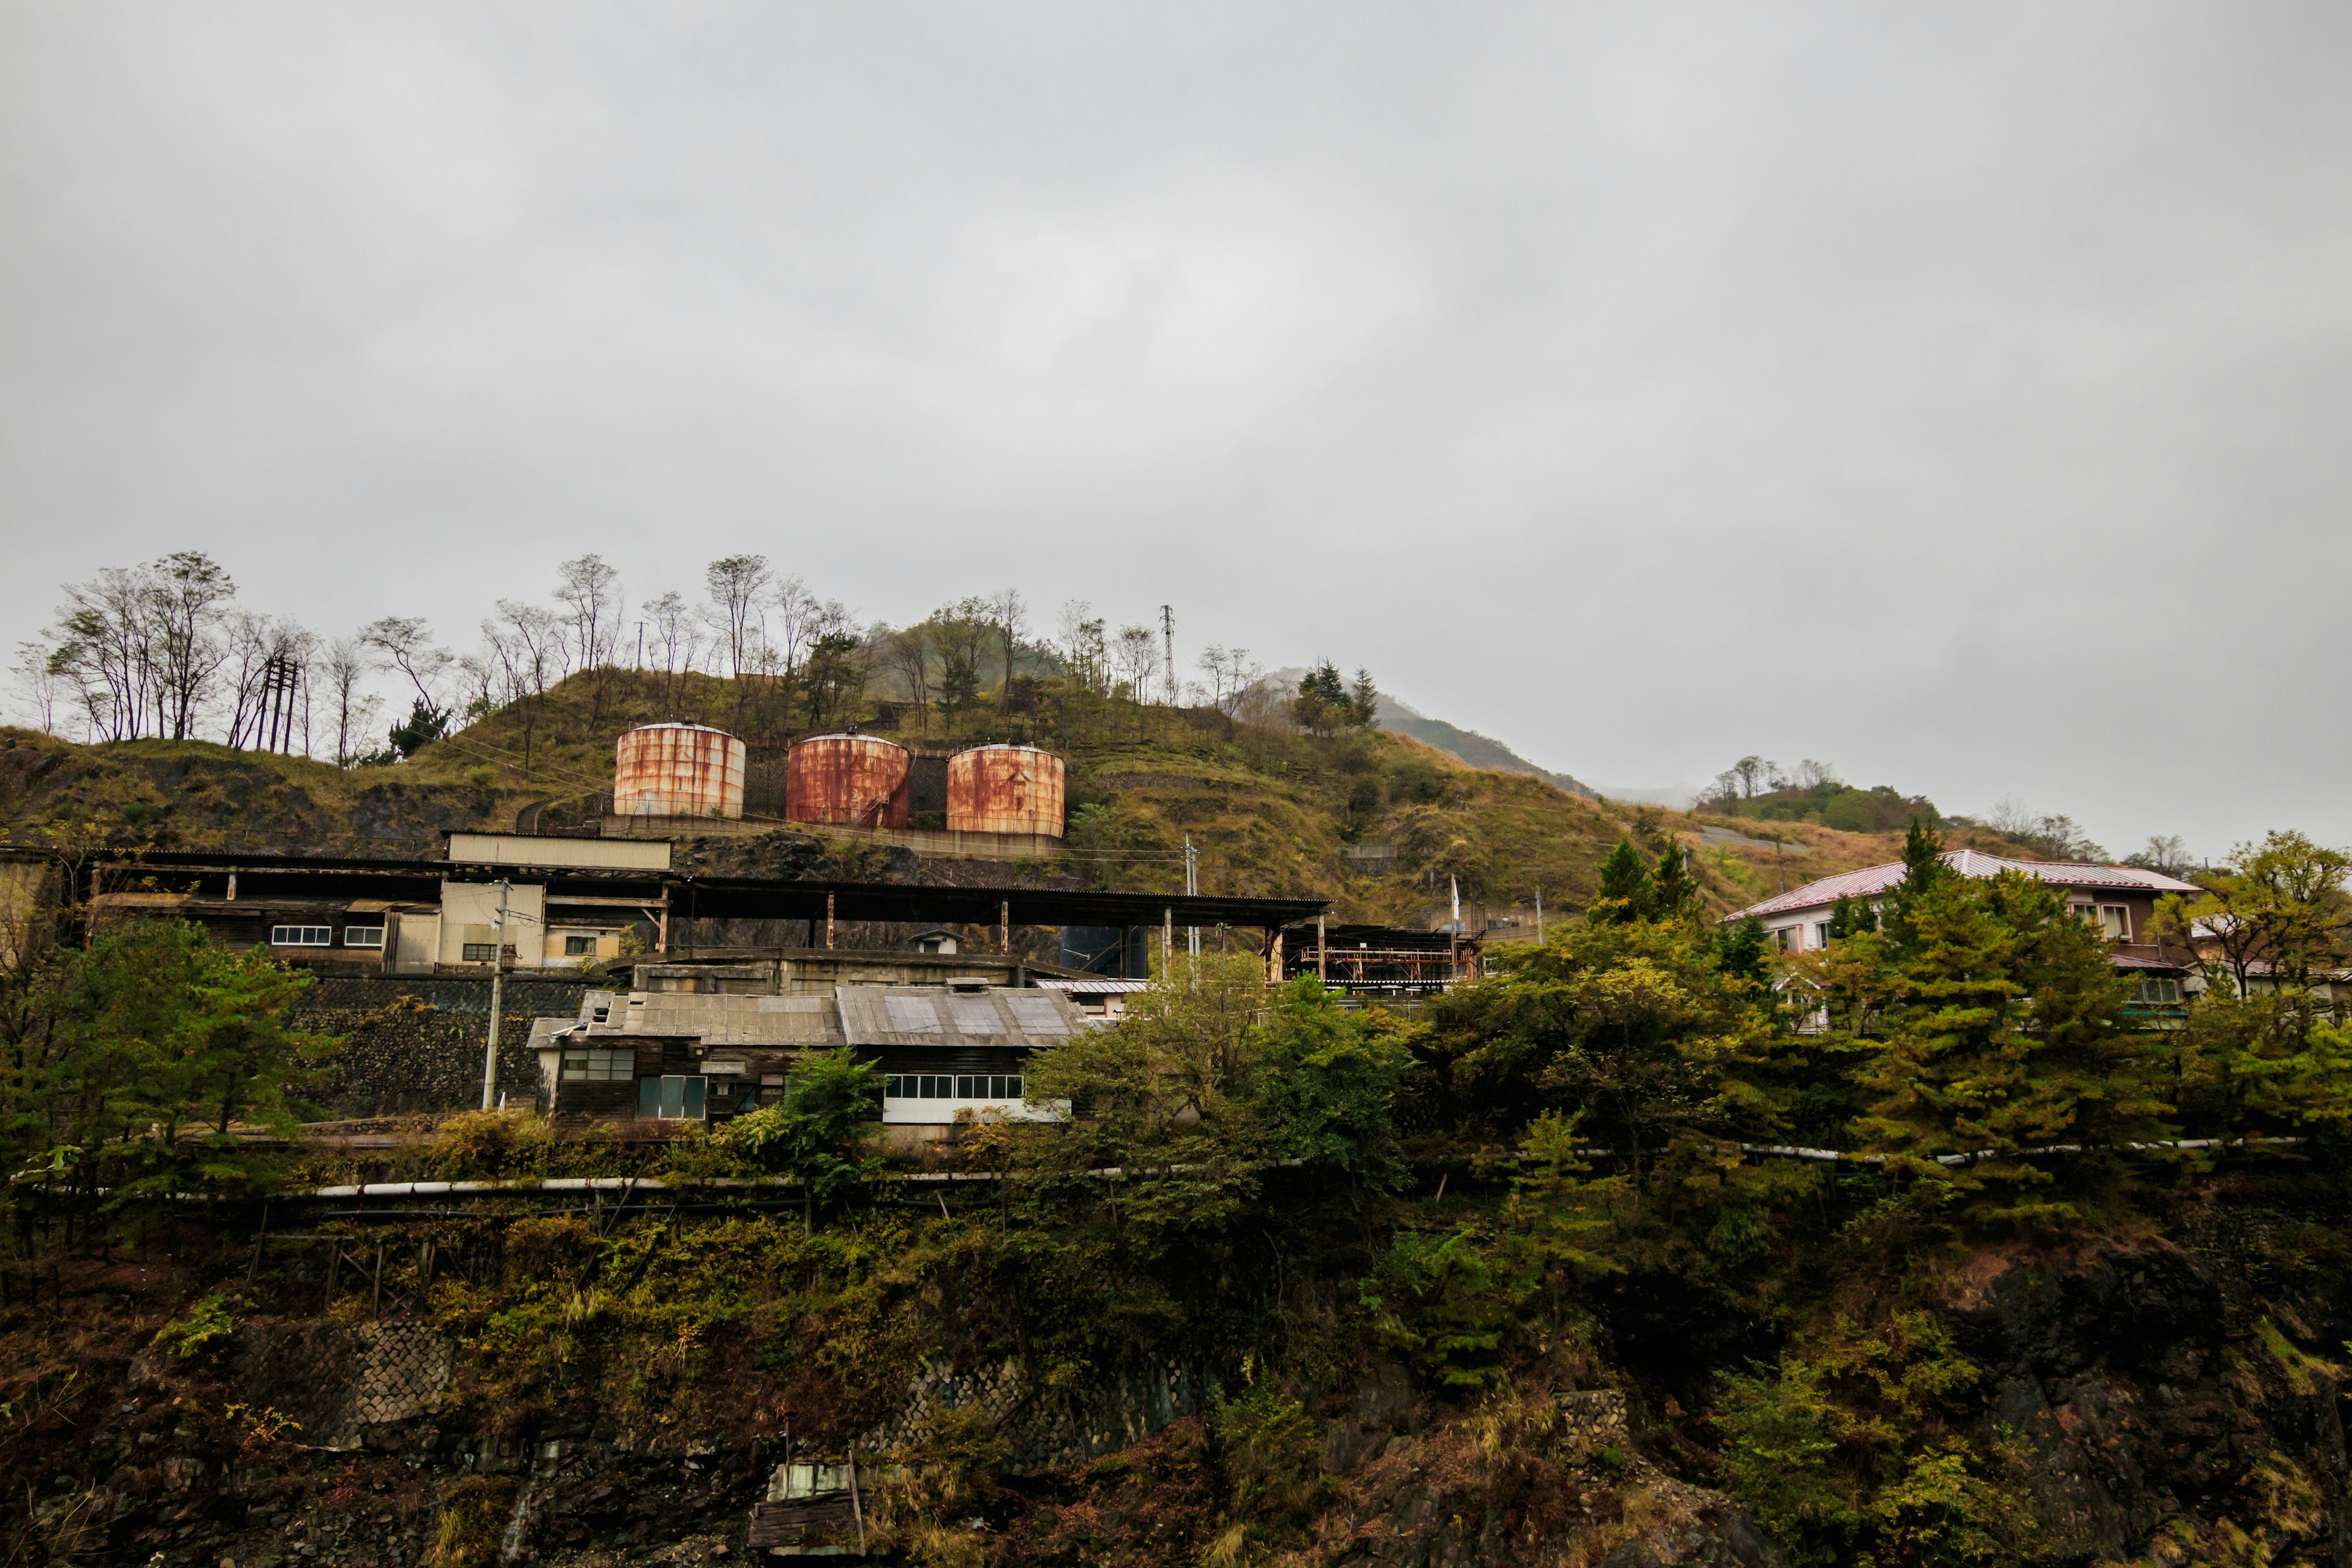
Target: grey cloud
(1956, 392)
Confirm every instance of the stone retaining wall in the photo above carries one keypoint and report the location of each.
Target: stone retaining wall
(416, 1043)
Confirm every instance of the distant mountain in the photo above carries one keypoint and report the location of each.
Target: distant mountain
(1478, 751)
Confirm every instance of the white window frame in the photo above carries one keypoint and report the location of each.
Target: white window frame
(2122, 927)
(300, 936)
(363, 936)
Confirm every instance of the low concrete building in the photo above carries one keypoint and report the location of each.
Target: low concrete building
(948, 1053)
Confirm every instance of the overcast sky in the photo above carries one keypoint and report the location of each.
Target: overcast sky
(1958, 395)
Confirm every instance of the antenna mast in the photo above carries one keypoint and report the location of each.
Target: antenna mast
(1168, 648)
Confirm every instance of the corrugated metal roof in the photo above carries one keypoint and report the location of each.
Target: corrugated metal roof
(1105, 987)
(938, 1015)
(729, 1020)
(1872, 880)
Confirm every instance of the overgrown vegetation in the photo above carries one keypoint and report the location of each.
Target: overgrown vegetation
(1554, 1179)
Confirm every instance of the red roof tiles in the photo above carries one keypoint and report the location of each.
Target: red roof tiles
(1872, 881)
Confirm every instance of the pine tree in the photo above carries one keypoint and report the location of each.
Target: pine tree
(1624, 892)
(1852, 916)
(1673, 889)
(1922, 867)
(2004, 1032)
(1740, 949)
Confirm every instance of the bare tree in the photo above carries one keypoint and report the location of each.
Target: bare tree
(526, 644)
(2166, 853)
(959, 631)
(590, 590)
(1812, 774)
(247, 668)
(909, 653)
(1011, 618)
(1084, 654)
(678, 636)
(353, 711)
(1135, 657)
(1757, 775)
(736, 584)
(186, 593)
(406, 643)
(797, 612)
(37, 686)
(104, 654)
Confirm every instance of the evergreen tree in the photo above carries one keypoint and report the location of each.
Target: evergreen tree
(2004, 1032)
(1922, 867)
(1740, 949)
(1673, 889)
(1624, 892)
(1852, 916)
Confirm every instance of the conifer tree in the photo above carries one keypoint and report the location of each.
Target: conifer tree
(1922, 867)
(1624, 892)
(1852, 916)
(2004, 1032)
(1673, 889)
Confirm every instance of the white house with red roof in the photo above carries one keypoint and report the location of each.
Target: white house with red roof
(2119, 900)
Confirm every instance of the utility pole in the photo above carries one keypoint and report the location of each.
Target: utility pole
(498, 996)
(1539, 917)
(1453, 930)
(1192, 890)
(1168, 648)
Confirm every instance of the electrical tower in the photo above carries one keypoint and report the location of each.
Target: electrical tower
(1168, 648)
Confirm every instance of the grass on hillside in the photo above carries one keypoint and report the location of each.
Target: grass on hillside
(1268, 807)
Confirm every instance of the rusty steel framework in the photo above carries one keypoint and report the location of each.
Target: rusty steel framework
(1361, 968)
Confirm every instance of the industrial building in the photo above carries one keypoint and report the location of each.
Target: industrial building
(998, 802)
(951, 1012)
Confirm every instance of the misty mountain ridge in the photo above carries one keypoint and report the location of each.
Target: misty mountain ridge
(1467, 745)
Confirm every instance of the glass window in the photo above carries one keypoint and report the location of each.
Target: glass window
(1786, 938)
(302, 936)
(363, 936)
(599, 1064)
(673, 1097)
(2115, 921)
(2156, 990)
(576, 946)
(480, 953)
(1821, 935)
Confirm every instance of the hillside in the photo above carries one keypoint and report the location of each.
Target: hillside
(1467, 745)
(1271, 810)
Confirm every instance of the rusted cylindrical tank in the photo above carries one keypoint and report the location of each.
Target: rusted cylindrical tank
(678, 770)
(850, 781)
(1006, 789)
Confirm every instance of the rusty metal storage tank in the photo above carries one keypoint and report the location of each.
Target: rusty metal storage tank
(849, 780)
(678, 770)
(1006, 789)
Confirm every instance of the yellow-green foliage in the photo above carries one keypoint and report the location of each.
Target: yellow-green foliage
(210, 1324)
(473, 1513)
(656, 1318)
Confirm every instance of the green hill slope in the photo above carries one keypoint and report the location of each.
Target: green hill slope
(1377, 822)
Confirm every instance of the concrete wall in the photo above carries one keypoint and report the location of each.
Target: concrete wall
(469, 911)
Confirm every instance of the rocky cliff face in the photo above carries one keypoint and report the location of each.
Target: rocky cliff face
(2163, 1406)
(2152, 1398)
